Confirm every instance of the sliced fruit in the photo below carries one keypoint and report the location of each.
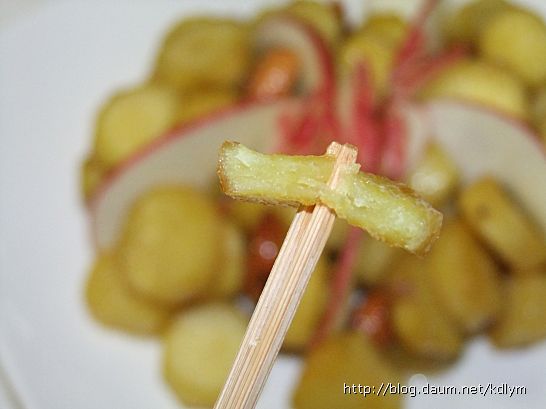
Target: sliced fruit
(203, 103)
(480, 82)
(436, 177)
(464, 278)
(186, 156)
(484, 142)
(336, 365)
(387, 210)
(111, 302)
(204, 53)
(502, 225)
(229, 279)
(132, 119)
(310, 310)
(199, 349)
(523, 320)
(169, 250)
(516, 39)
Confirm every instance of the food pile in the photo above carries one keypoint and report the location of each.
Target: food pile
(182, 262)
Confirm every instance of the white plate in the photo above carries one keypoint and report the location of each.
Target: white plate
(56, 66)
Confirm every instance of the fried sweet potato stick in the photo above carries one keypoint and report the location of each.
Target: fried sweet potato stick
(389, 211)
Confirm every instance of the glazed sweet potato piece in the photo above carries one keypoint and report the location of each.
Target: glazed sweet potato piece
(389, 211)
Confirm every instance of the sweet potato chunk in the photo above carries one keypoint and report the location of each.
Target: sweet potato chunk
(131, 119)
(418, 320)
(374, 260)
(464, 278)
(516, 39)
(92, 174)
(390, 28)
(169, 249)
(389, 211)
(467, 23)
(523, 320)
(230, 277)
(483, 83)
(502, 225)
(203, 53)
(344, 360)
(199, 349)
(112, 303)
(321, 17)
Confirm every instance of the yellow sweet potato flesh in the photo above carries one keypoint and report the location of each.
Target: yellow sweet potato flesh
(131, 119)
(345, 359)
(483, 83)
(203, 53)
(390, 28)
(418, 320)
(229, 278)
(375, 258)
(389, 211)
(502, 225)
(92, 174)
(170, 247)
(464, 278)
(523, 319)
(112, 303)
(516, 39)
(467, 23)
(199, 349)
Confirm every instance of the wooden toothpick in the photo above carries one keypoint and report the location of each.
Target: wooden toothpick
(281, 296)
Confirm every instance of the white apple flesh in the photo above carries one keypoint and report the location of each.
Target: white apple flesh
(484, 141)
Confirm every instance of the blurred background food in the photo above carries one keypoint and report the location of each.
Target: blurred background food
(189, 265)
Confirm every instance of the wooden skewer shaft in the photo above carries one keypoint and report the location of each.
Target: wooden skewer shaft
(281, 296)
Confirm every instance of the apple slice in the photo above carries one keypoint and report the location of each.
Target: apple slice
(288, 32)
(482, 141)
(186, 156)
